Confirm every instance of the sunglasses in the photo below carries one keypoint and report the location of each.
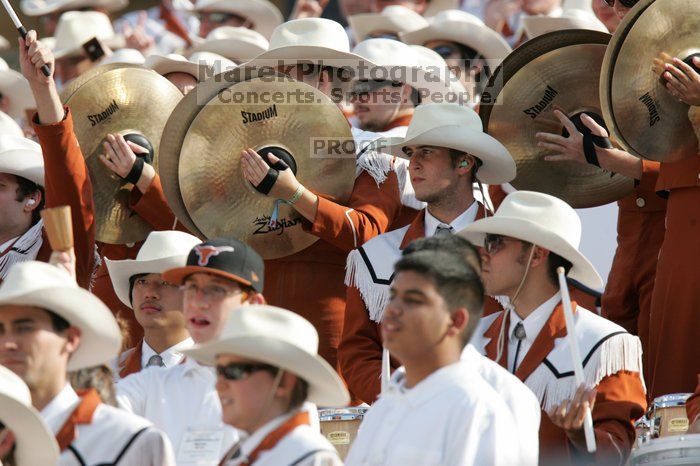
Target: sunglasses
(240, 371)
(494, 243)
(366, 86)
(626, 3)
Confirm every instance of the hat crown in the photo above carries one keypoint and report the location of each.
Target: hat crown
(217, 62)
(12, 386)
(550, 212)
(387, 53)
(33, 276)
(400, 10)
(431, 116)
(238, 33)
(77, 27)
(455, 16)
(271, 322)
(163, 244)
(12, 143)
(310, 32)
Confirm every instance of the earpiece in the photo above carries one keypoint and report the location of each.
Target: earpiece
(463, 164)
(31, 202)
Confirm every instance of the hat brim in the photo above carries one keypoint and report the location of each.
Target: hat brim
(179, 274)
(364, 24)
(35, 443)
(167, 66)
(264, 15)
(582, 269)
(116, 42)
(497, 164)
(25, 163)
(296, 54)
(325, 386)
(233, 49)
(538, 25)
(110, 5)
(120, 272)
(483, 39)
(100, 338)
(16, 88)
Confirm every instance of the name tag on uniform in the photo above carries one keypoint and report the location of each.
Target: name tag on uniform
(201, 447)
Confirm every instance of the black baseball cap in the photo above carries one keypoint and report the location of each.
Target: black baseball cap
(227, 258)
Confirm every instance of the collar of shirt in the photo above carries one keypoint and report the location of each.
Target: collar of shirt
(460, 223)
(253, 440)
(58, 410)
(192, 366)
(428, 388)
(8, 243)
(171, 356)
(535, 321)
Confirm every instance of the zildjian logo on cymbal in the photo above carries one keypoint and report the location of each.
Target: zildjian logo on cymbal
(262, 225)
(266, 114)
(105, 114)
(547, 99)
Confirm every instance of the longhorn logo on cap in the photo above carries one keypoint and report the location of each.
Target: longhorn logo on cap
(207, 252)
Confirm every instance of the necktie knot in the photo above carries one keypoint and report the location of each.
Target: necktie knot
(155, 360)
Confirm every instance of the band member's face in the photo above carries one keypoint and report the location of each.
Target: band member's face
(210, 20)
(376, 109)
(606, 15)
(183, 81)
(432, 172)
(207, 302)
(540, 7)
(157, 304)
(13, 213)
(416, 319)
(29, 345)
(244, 402)
(502, 269)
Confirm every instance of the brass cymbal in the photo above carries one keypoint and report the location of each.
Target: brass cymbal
(556, 70)
(124, 100)
(75, 84)
(174, 133)
(216, 195)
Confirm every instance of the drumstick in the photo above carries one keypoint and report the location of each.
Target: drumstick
(21, 30)
(575, 356)
(59, 227)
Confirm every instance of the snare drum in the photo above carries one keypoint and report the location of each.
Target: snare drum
(340, 427)
(669, 451)
(668, 416)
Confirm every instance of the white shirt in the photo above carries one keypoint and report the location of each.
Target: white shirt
(533, 325)
(8, 243)
(171, 356)
(465, 219)
(523, 404)
(451, 418)
(180, 400)
(113, 435)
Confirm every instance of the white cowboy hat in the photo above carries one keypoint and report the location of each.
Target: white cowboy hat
(455, 127)
(132, 56)
(15, 88)
(43, 7)
(35, 444)
(436, 66)
(22, 157)
(392, 19)
(463, 28)
(161, 251)
(77, 27)
(235, 43)
(309, 40)
(264, 15)
(214, 61)
(544, 220)
(573, 18)
(283, 339)
(9, 127)
(174, 63)
(4, 44)
(42, 285)
(436, 6)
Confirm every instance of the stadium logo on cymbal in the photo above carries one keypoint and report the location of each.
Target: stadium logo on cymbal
(103, 115)
(249, 117)
(549, 94)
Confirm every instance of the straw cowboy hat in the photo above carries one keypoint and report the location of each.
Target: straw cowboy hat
(544, 220)
(282, 339)
(161, 251)
(21, 157)
(42, 285)
(9, 127)
(15, 87)
(392, 19)
(44, 7)
(235, 43)
(131, 56)
(309, 40)
(572, 18)
(174, 63)
(264, 15)
(463, 28)
(35, 444)
(77, 27)
(217, 63)
(455, 127)
(431, 61)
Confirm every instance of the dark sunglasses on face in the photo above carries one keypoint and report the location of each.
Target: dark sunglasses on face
(494, 243)
(240, 371)
(366, 86)
(626, 3)
(383, 35)
(447, 51)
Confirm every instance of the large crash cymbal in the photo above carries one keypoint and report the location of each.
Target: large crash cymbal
(216, 195)
(124, 100)
(556, 70)
(76, 83)
(644, 117)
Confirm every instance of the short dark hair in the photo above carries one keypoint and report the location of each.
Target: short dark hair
(132, 282)
(554, 261)
(457, 155)
(58, 323)
(300, 392)
(27, 188)
(453, 244)
(456, 281)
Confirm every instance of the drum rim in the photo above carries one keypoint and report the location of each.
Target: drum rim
(671, 400)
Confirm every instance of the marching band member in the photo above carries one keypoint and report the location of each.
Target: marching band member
(531, 235)
(157, 304)
(49, 12)
(435, 305)
(259, 15)
(448, 152)
(219, 277)
(268, 366)
(386, 24)
(45, 332)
